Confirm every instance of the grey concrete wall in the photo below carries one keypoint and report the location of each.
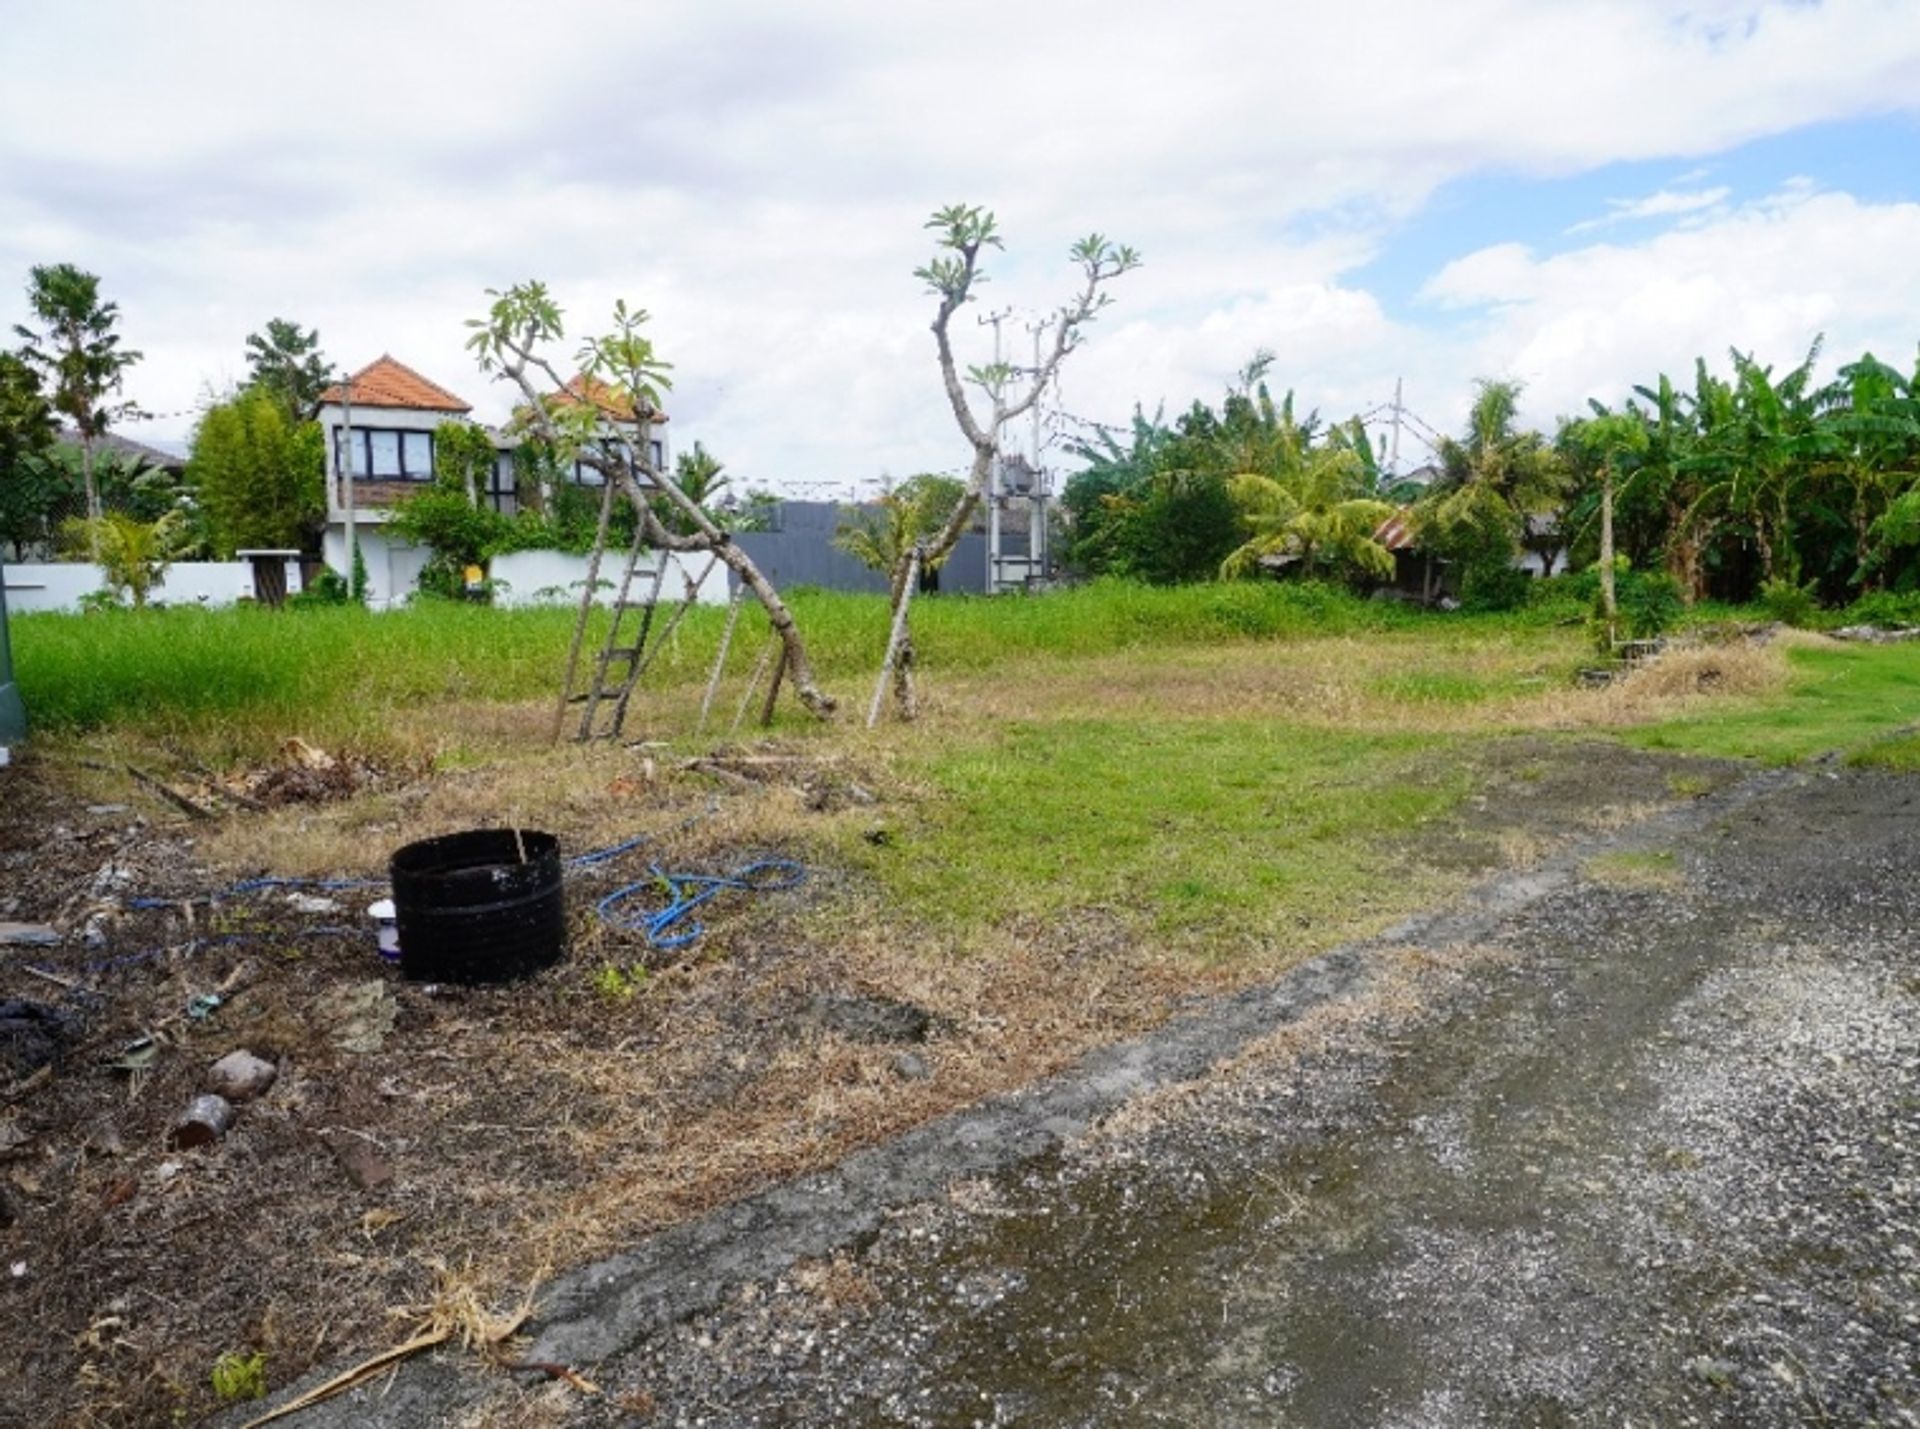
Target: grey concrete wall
(801, 552)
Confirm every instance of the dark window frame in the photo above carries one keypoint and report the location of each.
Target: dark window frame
(363, 438)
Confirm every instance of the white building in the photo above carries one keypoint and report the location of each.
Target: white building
(386, 441)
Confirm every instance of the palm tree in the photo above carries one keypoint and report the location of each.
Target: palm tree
(1492, 481)
(81, 355)
(1872, 412)
(1322, 516)
(1760, 440)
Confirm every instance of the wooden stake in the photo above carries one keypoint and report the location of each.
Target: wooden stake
(586, 611)
(720, 660)
(753, 683)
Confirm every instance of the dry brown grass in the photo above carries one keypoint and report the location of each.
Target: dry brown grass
(1676, 683)
(540, 1129)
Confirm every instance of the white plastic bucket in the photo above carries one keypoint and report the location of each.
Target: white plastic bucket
(386, 929)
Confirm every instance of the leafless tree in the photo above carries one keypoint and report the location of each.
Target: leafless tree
(608, 426)
(963, 232)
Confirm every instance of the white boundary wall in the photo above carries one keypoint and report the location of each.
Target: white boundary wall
(60, 585)
(555, 577)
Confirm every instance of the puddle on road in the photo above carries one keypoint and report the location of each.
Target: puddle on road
(1417, 1227)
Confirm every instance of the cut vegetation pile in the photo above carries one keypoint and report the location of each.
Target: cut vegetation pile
(1117, 799)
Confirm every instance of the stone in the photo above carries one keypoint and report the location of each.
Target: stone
(871, 1019)
(240, 1076)
(367, 1168)
(911, 1067)
(358, 1017)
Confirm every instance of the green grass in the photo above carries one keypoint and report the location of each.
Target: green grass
(1636, 869)
(191, 673)
(1216, 834)
(1843, 698)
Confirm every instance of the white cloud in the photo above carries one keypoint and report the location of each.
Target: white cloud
(1766, 278)
(1666, 203)
(755, 176)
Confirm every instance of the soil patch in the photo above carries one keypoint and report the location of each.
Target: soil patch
(502, 1135)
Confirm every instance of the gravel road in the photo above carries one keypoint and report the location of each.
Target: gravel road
(1645, 1150)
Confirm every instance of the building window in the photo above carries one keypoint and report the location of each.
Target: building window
(503, 490)
(386, 454)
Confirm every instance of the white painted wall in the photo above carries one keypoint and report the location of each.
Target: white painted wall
(393, 565)
(540, 577)
(60, 585)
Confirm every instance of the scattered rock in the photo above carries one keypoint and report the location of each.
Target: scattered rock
(860, 794)
(1876, 635)
(871, 1019)
(240, 1076)
(1718, 1373)
(27, 935)
(312, 903)
(204, 1122)
(32, 1034)
(911, 1067)
(102, 811)
(359, 1159)
(358, 1017)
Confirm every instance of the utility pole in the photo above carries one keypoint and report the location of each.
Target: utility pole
(1393, 451)
(346, 485)
(994, 473)
(1037, 507)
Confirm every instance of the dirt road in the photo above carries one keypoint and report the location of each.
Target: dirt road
(1651, 1156)
(1633, 1138)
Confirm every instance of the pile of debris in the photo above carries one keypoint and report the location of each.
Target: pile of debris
(1878, 635)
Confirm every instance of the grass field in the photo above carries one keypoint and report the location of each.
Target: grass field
(225, 676)
(1116, 799)
(1218, 767)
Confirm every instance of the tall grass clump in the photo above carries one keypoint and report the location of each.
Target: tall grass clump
(246, 670)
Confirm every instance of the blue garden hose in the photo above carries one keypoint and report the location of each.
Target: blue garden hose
(660, 927)
(688, 891)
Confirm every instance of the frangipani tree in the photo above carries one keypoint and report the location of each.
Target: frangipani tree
(962, 234)
(612, 434)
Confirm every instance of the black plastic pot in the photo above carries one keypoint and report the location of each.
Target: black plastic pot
(471, 910)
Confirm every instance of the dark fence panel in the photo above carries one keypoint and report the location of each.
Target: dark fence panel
(800, 551)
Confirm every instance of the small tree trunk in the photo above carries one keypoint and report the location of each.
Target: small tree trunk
(709, 538)
(93, 497)
(897, 639)
(1609, 607)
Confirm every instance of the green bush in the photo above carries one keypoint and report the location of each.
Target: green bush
(1492, 583)
(1651, 603)
(1885, 609)
(1789, 604)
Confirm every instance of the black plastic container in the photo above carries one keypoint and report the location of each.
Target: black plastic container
(471, 909)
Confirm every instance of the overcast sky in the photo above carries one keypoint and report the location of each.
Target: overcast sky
(1577, 193)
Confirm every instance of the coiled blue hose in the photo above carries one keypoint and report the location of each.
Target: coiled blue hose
(659, 927)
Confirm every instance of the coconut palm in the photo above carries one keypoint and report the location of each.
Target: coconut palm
(1321, 518)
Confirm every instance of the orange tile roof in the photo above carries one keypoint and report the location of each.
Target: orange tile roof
(585, 388)
(388, 383)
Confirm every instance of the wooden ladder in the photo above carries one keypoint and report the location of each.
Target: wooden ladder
(632, 639)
